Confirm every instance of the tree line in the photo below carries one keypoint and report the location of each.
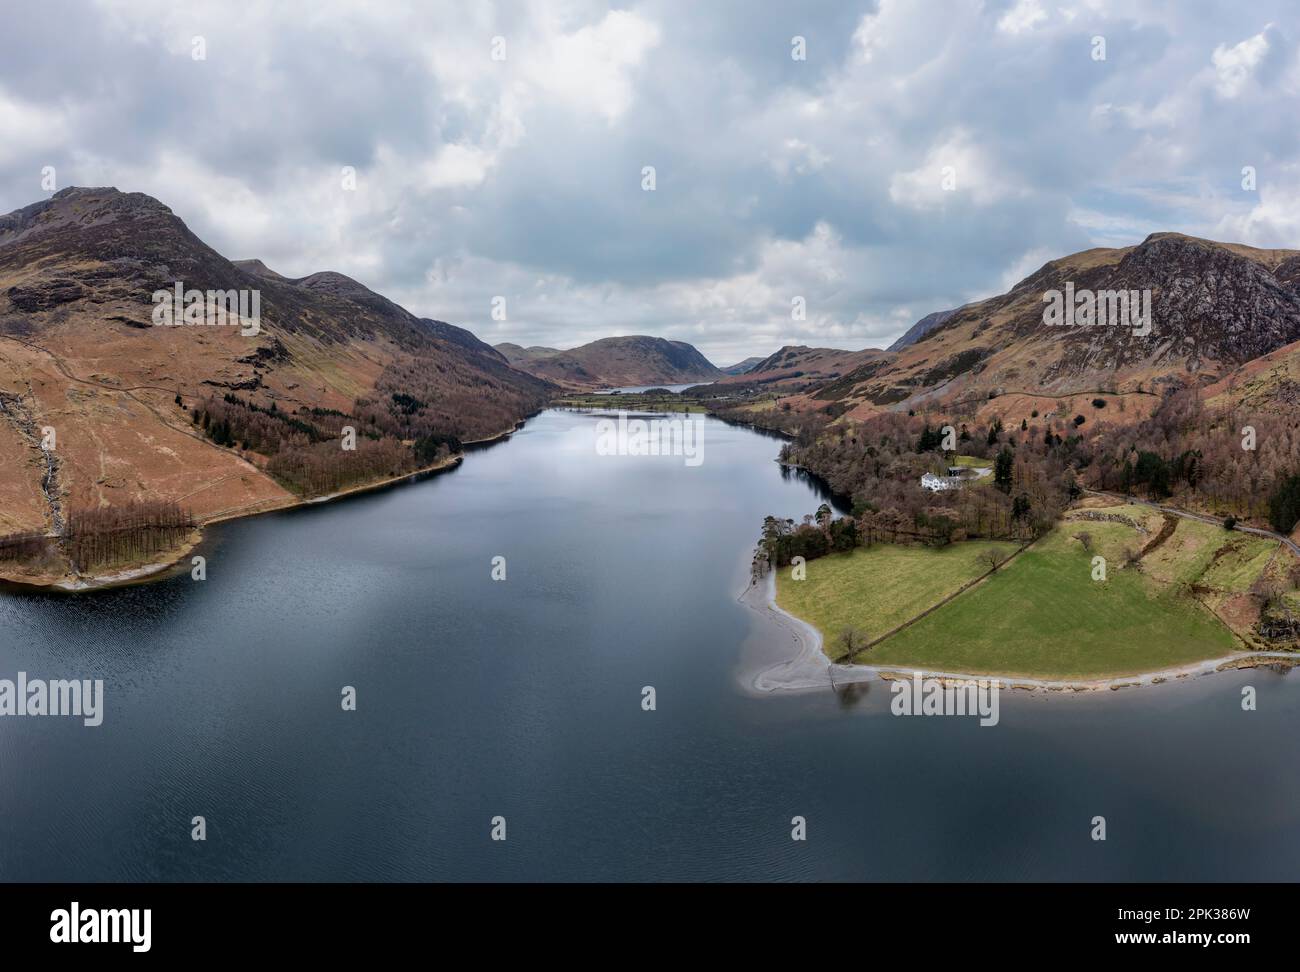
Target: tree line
(305, 448)
(130, 533)
(1226, 462)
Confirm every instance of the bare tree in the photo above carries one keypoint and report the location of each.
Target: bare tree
(850, 640)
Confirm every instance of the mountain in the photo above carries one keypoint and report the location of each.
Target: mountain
(921, 328)
(615, 362)
(518, 355)
(1214, 307)
(217, 418)
(741, 367)
(797, 368)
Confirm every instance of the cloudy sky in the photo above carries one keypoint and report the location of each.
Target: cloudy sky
(923, 154)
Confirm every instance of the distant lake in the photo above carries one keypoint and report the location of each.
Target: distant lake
(635, 389)
(522, 699)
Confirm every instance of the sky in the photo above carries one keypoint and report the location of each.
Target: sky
(918, 155)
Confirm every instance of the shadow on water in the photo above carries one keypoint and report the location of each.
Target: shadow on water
(852, 693)
(839, 502)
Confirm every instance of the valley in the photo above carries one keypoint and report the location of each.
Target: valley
(339, 390)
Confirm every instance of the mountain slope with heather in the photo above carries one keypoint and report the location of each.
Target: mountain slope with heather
(212, 418)
(1214, 307)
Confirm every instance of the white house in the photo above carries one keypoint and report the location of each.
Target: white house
(937, 483)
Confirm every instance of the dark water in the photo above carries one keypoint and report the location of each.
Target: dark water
(522, 699)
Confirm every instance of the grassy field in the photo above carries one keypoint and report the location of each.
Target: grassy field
(1043, 615)
(878, 588)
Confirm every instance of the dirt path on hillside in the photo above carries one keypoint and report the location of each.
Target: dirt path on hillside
(1199, 517)
(1166, 531)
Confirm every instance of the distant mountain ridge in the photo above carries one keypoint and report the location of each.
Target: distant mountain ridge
(516, 354)
(615, 362)
(741, 367)
(796, 368)
(921, 328)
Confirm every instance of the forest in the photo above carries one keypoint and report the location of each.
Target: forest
(1227, 463)
(1235, 466)
(130, 533)
(305, 449)
(879, 464)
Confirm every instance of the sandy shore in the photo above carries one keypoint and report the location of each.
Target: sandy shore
(807, 668)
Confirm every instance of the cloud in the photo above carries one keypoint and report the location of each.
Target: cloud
(776, 177)
(28, 129)
(1024, 16)
(591, 67)
(955, 166)
(1274, 219)
(1234, 65)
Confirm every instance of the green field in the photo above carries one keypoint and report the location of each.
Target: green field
(878, 588)
(1043, 615)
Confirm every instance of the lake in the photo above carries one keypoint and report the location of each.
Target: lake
(637, 389)
(521, 698)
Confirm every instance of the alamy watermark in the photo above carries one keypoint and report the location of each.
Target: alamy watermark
(129, 926)
(651, 437)
(1100, 308)
(946, 696)
(58, 697)
(235, 308)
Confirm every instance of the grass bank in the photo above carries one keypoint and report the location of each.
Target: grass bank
(1042, 614)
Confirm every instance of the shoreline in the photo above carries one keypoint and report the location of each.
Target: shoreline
(157, 570)
(810, 670)
(498, 436)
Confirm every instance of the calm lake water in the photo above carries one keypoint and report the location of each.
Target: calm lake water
(522, 699)
(635, 389)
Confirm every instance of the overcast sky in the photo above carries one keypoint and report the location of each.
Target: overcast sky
(775, 178)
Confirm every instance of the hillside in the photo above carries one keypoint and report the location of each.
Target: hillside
(216, 418)
(921, 328)
(517, 355)
(805, 365)
(797, 370)
(1215, 307)
(741, 367)
(615, 362)
(1269, 383)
